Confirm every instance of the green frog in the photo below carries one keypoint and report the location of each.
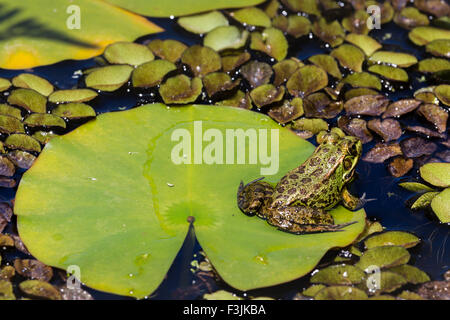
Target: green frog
(299, 202)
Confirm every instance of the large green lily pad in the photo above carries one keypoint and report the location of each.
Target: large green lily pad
(108, 198)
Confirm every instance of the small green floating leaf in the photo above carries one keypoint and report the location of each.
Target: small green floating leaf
(437, 174)
(349, 57)
(442, 92)
(440, 47)
(28, 99)
(285, 69)
(311, 291)
(221, 295)
(354, 24)
(238, 100)
(306, 80)
(271, 41)
(181, 89)
(44, 120)
(399, 59)
(32, 81)
(204, 22)
(383, 257)
(201, 60)
(389, 282)
(128, 53)
(411, 274)
(341, 293)
(22, 142)
(441, 205)
(392, 238)
(424, 200)
(296, 26)
(311, 125)
(267, 94)
(5, 84)
(74, 111)
(252, 16)
(408, 295)
(109, 78)
(231, 62)
(170, 50)
(10, 125)
(227, 37)
(366, 43)
(432, 65)
(8, 110)
(6, 290)
(152, 73)
(218, 82)
(40, 289)
(330, 32)
(43, 136)
(410, 17)
(415, 186)
(72, 95)
(327, 63)
(370, 228)
(338, 275)
(363, 79)
(306, 6)
(389, 72)
(424, 35)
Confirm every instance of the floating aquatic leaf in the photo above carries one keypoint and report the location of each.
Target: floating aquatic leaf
(382, 297)
(338, 275)
(439, 48)
(441, 206)
(271, 41)
(72, 95)
(349, 57)
(355, 127)
(288, 111)
(31, 81)
(8, 110)
(152, 73)
(43, 136)
(311, 125)
(327, 63)
(392, 238)
(21, 159)
(319, 105)
(363, 79)
(22, 142)
(424, 35)
(411, 274)
(432, 65)
(218, 82)
(44, 120)
(181, 89)
(6, 273)
(6, 290)
(204, 22)
(238, 100)
(10, 125)
(170, 50)
(389, 72)
(383, 257)
(7, 182)
(408, 295)
(426, 94)
(389, 282)
(231, 62)
(356, 23)
(416, 147)
(40, 289)
(252, 16)
(5, 84)
(256, 73)
(296, 26)
(306, 6)
(399, 59)
(267, 94)
(366, 43)
(201, 60)
(6, 167)
(437, 174)
(312, 290)
(400, 166)
(424, 200)
(128, 53)
(382, 152)
(28, 99)
(33, 269)
(370, 228)
(426, 132)
(5, 214)
(6, 240)
(415, 186)
(401, 107)
(227, 37)
(221, 295)
(306, 80)
(145, 245)
(330, 32)
(438, 8)
(74, 111)
(436, 115)
(271, 8)
(410, 18)
(340, 293)
(371, 105)
(388, 129)
(357, 92)
(109, 78)
(443, 93)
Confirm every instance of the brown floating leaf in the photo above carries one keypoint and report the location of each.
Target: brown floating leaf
(388, 129)
(6, 240)
(201, 60)
(20, 245)
(181, 89)
(256, 73)
(371, 105)
(349, 57)
(400, 166)
(238, 100)
(330, 32)
(355, 127)
(33, 269)
(357, 22)
(170, 50)
(382, 152)
(435, 290)
(218, 82)
(285, 69)
(40, 289)
(319, 105)
(6, 167)
(231, 62)
(416, 147)
(436, 115)
(266, 94)
(444, 155)
(426, 132)
(288, 111)
(6, 273)
(401, 107)
(410, 17)
(7, 182)
(438, 8)
(306, 80)
(21, 159)
(5, 215)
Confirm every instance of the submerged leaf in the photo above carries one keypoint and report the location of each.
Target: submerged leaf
(400, 166)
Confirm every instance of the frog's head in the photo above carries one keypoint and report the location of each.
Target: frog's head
(352, 150)
(250, 197)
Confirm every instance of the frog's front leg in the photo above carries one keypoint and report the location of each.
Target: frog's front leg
(254, 196)
(351, 202)
(301, 220)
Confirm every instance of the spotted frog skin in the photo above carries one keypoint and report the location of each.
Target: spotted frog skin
(298, 203)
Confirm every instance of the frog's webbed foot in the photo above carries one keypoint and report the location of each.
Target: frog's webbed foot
(353, 203)
(251, 197)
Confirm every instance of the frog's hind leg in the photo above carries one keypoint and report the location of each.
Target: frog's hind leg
(253, 196)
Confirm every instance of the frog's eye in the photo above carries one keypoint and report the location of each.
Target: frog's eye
(347, 163)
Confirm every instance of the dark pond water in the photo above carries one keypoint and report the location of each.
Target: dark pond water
(432, 255)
